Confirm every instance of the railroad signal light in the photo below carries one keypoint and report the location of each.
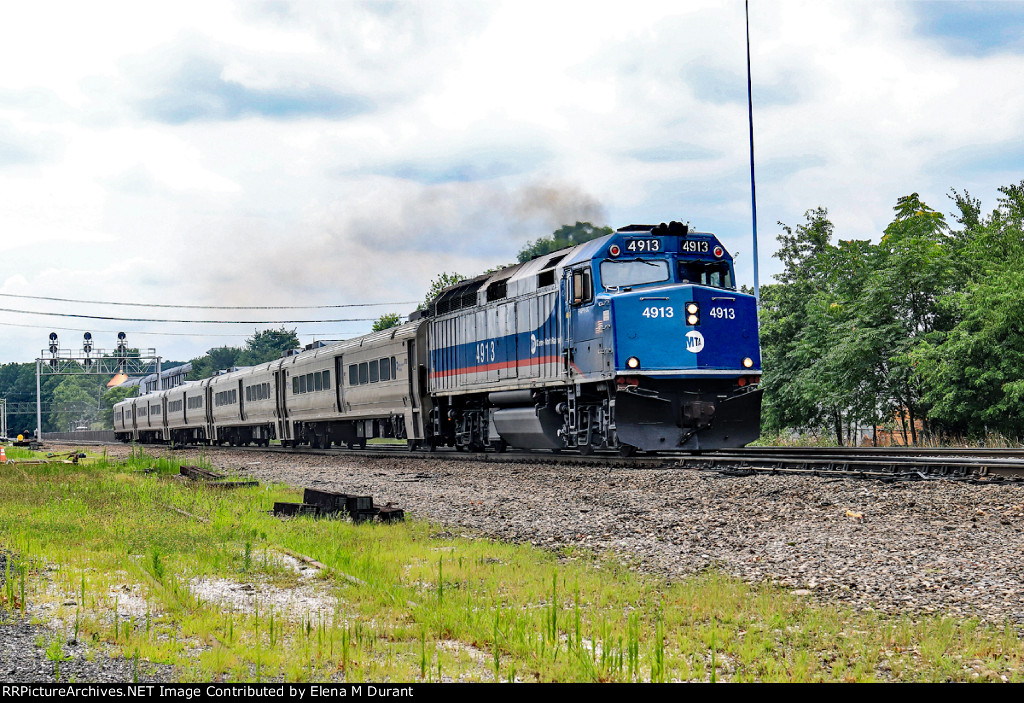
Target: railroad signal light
(87, 342)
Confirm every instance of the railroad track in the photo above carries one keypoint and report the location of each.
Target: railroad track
(979, 465)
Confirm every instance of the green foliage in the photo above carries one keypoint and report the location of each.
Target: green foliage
(266, 346)
(260, 348)
(564, 236)
(925, 327)
(387, 321)
(76, 401)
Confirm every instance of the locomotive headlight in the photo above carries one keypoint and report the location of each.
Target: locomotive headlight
(748, 363)
(633, 363)
(692, 314)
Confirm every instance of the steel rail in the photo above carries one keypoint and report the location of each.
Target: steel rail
(994, 465)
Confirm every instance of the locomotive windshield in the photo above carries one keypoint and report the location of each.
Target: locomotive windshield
(618, 274)
(716, 274)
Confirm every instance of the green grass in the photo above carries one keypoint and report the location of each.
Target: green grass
(117, 551)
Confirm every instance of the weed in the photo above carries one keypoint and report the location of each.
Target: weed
(158, 566)
(55, 653)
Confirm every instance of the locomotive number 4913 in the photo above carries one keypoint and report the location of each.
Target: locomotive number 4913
(655, 312)
(643, 245)
(485, 352)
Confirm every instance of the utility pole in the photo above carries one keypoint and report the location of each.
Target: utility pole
(753, 196)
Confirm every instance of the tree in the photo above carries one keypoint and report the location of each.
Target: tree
(215, 360)
(266, 346)
(564, 236)
(76, 401)
(260, 348)
(387, 321)
(971, 372)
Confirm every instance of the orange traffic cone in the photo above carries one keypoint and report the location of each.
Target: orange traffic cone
(3, 456)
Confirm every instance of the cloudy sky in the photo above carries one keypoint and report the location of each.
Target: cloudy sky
(329, 153)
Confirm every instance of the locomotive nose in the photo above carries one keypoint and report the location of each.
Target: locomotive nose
(684, 329)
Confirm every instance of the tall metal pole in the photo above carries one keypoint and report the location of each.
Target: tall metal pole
(39, 406)
(753, 196)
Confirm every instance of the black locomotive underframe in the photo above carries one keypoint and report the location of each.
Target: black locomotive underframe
(645, 413)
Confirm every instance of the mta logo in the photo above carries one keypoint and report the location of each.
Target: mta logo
(694, 341)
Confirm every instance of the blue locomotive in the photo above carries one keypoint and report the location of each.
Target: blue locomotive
(635, 340)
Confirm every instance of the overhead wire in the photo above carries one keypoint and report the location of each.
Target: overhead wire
(62, 328)
(190, 322)
(209, 307)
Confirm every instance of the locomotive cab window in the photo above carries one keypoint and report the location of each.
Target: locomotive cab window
(714, 274)
(582, 286)
(638, 272)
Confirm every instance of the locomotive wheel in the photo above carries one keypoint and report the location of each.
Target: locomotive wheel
(350, 445)
(627, 450)
(314, 440)
(586, 449)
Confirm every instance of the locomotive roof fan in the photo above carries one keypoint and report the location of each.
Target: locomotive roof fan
(673, 227)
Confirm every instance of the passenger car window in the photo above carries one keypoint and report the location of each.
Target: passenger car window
(364, 373)
(385, 370)
(374, 375)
